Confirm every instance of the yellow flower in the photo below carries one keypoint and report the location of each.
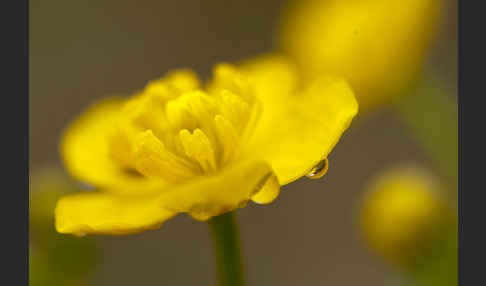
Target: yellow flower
(180, 147)
(403, 213)
(379, 46)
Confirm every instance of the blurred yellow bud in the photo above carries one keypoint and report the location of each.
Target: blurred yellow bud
(379, 46)
(402, 214)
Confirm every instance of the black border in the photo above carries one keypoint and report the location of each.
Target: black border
(14, 23)
(471, 112)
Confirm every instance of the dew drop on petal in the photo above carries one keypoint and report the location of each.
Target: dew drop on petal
(319, 170)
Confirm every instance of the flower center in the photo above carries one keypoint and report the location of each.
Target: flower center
(175, 130)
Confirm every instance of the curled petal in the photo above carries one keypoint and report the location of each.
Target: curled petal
(223, 192)
(269, 191)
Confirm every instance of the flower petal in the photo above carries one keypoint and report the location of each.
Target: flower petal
(223, 192)
(104, 213)
(85, 151)
(269, 192)
(297, 129)
(273, 75)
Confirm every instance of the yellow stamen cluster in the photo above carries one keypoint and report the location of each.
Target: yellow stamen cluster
(175, 130)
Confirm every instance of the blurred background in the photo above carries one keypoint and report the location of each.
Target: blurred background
(311, 235)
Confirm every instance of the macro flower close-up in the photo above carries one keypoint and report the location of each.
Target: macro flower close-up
(233, 143)
(181, 146)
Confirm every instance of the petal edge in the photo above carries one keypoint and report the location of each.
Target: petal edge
(102, 213)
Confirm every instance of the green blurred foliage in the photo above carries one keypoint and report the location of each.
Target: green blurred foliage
(431, 116)
(437, 263)
(55, 259)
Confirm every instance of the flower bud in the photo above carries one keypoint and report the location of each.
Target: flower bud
(403, 215)
(379, 46)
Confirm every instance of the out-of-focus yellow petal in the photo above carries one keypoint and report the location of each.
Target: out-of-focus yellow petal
(175, 82)
(103, 213)
(273, 75)
(377, 45)
(297, 129)
(220, 193)
(85, 151)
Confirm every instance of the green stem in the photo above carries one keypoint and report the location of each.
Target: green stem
(437, 264)
(431, 115)
(227, 250)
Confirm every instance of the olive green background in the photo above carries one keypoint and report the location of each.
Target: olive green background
(83, 50)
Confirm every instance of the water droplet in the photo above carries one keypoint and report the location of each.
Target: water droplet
(319, 170)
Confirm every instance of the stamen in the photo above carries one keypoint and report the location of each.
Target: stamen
(227, 136)
(198, 147)
(154, 160)
(174, 130)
